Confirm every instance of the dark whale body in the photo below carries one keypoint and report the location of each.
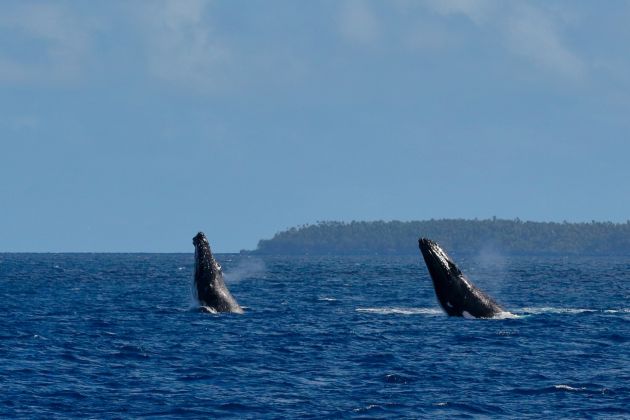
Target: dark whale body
(456, 294)
(210, 288)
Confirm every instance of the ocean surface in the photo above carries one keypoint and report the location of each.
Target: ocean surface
(118, 335)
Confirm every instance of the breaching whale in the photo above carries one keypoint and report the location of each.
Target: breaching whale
(210, 288)
(456, 294)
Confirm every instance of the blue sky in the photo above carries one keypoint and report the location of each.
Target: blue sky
(131, 125)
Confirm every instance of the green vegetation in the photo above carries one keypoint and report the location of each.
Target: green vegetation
(513, 237)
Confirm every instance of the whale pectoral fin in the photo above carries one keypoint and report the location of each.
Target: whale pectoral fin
(466, 315)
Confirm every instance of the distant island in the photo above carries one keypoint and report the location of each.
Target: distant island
(511, 237)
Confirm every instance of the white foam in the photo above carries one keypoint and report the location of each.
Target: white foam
(393, 310)
(369, 407)
(327, 299)
(506, 315)
(208, 309)
(617, 311)
(551, 310)
(568, 388)
(401, 311)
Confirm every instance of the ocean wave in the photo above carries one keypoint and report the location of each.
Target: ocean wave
(401, 311)
(617, 311)
(127, 327)
(590, 389)
(506, 315)
(563, 387)
(393, 310)
(569, 311)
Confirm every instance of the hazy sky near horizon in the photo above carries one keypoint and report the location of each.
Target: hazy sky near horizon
(131, 125)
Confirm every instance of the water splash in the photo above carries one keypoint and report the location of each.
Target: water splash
(489, 256)
(248, 268)
(506, 315)
(491, 270)
(563, 387)
(401, 311)
(207, 309)
(552, 310)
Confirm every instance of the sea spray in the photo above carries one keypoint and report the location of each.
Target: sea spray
(246, 268)
(491, 270)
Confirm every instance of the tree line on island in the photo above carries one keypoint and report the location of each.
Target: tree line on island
(512, 237)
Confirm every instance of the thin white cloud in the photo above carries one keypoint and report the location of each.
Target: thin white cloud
(427, 35)
(534, 35)
(19, 123)
(12, 71)
(53, 47)
(479, 11)
(357, 22)
(527, 31)
(186, 49)
(181, 46)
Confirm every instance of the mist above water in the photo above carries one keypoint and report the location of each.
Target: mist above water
(247, 268)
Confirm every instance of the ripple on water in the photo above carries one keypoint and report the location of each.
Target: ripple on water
(112, 336)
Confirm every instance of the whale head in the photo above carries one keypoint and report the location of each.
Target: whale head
(200, 240)
(438, 262)
(210, 288)
(203, 253)
(447, 278)
(457, 295)
(207, 269)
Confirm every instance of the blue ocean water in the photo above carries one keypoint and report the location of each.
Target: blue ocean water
(118, 335)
